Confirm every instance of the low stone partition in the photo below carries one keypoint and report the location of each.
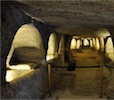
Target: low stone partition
(30, 86)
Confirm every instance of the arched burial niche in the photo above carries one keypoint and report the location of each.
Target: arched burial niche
(97, 44)
(108, 44)
(73, 44)
(86, 42)
(91, 43)
(27, 48)
(109, 49)
(52, 47)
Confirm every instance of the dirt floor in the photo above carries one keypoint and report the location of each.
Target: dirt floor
(82, 83)
(79, 84)
(86, 57)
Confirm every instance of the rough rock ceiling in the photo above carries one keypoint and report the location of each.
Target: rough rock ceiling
(72, 16)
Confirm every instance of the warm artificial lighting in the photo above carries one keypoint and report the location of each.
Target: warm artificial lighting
(78, 44)
(86, 43)
(91, 44)
(28, 36)
(73, 44)
(15, 74)
(17, 71)
(20, 67)
(109, 45)
(10, 74)
(97, 44)
(52, 47)
(110, 48)
(49, 57)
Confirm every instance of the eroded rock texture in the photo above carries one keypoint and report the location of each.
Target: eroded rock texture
(83, 18)
(12, 19)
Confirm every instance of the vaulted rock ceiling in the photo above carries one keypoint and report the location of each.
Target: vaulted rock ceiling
(72, 17)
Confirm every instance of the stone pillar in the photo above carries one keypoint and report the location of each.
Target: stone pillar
(82, 42)
(67, 46)
(91, 44)
(97, 45)
(88, 42)
(62, 49)
(101, 43)
(52, 46)
(109, 48)
(78, 43)
(93, 40)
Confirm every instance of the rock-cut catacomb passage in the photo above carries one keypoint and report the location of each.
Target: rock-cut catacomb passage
(57, 49)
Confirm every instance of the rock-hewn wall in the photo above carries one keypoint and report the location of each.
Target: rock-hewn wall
(45, 32)
(12, 18)
(32, 85)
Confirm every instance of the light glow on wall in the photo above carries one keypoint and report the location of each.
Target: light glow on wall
(91, 44)
(17, 71)
(49, 57)
(20, 67)
(52, 47)
(27, 40)
(73, 44)
(97, 44)
(86, 43)
(110, 48)
(78, 44)
(28, 36)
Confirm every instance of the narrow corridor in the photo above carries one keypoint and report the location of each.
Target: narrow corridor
(83, 82)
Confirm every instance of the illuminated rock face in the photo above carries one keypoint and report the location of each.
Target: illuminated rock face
(52, 47)
(32, 85)
(28, 36)
(12, 19)
(78, 44)
(27, 45)
(86, 43)
(110, 48)
(87, 17)
(73, 44)
(97, 44)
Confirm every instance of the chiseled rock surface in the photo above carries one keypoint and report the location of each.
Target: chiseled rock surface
(68, 16)
(31, 86)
